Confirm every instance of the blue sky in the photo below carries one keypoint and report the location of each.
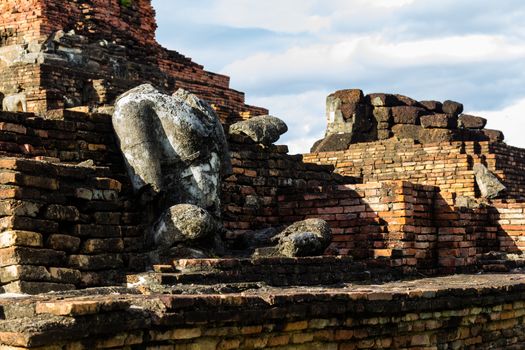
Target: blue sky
(287, 55)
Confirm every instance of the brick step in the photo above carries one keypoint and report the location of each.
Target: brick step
(273, 271)
(501, 262)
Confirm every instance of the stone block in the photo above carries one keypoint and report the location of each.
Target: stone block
(493, 135)
(38, 273)
(443, 121)
(384, 134)
(20, 239)
(19, 208)
(176, 334)
(333, 142)
(107, 218)
(97, 246)
(418, 133)
(107, 184)
(36, 287)
(64, 275)
(96, 231)
(383, 114)
(23, 223)
(471, 122)
(348, 102)
(407, 114)
(432, 106)
(30, 256)
(348, 113)
(407, 101)
(382, 100)
(452, 108)
(13, 178)
(95, 262)
(68, 308)
(64, 243)
(61, 213)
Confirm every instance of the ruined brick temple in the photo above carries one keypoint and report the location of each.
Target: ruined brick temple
(419, 210)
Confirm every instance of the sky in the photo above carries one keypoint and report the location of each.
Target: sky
(288, 55)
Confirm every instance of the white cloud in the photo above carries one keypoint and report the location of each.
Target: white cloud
(510, 120)
(471, 51)
(290, 16)
(355, 57)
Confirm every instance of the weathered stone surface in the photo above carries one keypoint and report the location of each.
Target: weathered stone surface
(15, 103)
(407, 101)
(304, 238)
(61, 213)
(383, 100)
(264, 129)
(467, 202)
(20, 239)
(383, 114)
(300, 244)
(489, 185)
(333, 142)
(441, 120)
(182, 223)
(407, 114)
(34, 256)
(19, 208)
(347, 102)
(493, 135)
(471, 122)
(348, 112)
(95, 262)
(452, 107)
(384, 134)
(38, 273)
(420, 134)
(100, 246)
(36, 287)
(432, 106)
(172, 144)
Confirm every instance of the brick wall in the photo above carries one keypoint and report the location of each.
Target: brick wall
(509, 223)
(113, 49)
(20, 21)
(251, 196)
(23, 21)
(509, 165)
(64, 227)
(447, 165)
(395, 223)
(388, 221)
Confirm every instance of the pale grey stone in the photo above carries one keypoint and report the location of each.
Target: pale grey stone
(173, 145)
(15, 102)
(264, 129)
(489, 185)
(304, 238)
(183, 223)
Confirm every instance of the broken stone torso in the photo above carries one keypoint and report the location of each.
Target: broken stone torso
(173, 144)
(14, 102)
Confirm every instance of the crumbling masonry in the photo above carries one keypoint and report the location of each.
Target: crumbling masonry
(411, 190)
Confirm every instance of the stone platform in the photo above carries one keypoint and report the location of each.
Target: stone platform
(454, 312)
